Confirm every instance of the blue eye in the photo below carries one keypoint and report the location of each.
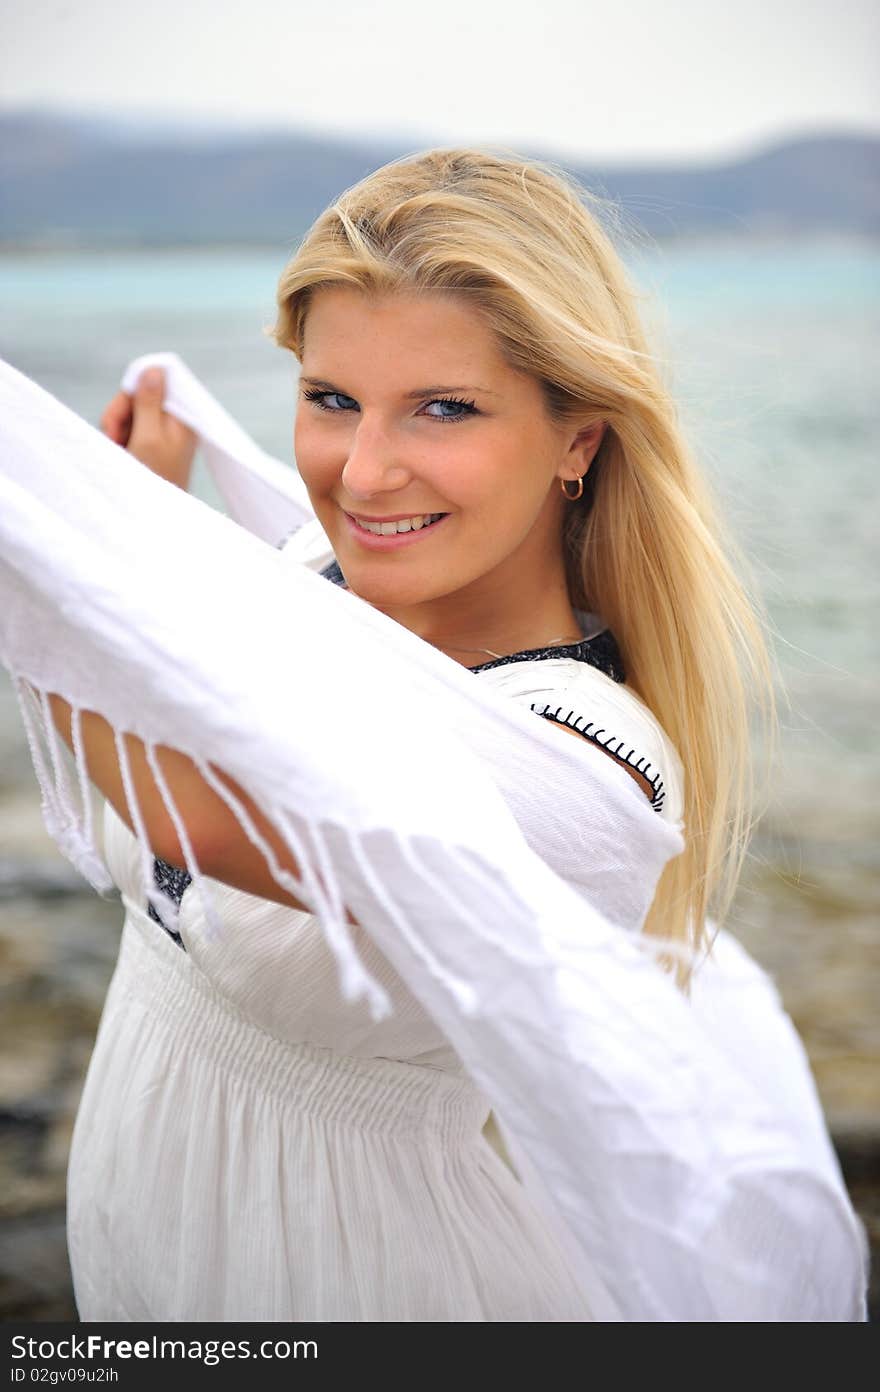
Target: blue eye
(320, 399)
(462, 408)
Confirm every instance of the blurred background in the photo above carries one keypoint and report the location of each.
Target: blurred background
(157, 167)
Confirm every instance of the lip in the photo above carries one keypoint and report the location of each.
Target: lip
(371, 542)
(391, 517)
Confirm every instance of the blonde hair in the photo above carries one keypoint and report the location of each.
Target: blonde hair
(524, 243)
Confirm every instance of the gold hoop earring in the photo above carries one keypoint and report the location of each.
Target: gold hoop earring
(572, 497)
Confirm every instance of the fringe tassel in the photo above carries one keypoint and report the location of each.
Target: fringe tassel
(152, 893)
(26, 696)
(325, 873)
(69, 825)
(170, 917)
(282, 877)
(82, 772)
(64, 800)
(317, 886)
(75, 807)
(354, 979)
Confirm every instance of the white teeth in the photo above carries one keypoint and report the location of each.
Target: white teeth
(407, 524)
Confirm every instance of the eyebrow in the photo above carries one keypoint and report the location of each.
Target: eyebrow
(410, 396)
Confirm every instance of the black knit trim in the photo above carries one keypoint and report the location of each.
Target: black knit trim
(333, 573)
(173, 881)
(600, 651)
(593, 733)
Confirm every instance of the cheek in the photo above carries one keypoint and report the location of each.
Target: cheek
(476, 479)
(507, 485)
(317, 458)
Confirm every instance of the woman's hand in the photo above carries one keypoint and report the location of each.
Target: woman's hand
(157, 439)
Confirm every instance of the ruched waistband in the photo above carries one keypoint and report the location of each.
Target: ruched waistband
(369, 1094)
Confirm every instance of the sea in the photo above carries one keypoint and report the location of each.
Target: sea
(770, 348)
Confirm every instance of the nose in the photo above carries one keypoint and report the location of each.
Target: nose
(373, 465)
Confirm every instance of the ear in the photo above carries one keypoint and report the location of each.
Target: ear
(581, 451)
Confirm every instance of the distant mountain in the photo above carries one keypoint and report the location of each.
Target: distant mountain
(92, 183)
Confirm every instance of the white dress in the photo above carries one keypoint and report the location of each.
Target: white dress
(252, 1146)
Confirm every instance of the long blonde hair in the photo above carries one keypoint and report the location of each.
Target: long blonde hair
(523, 242)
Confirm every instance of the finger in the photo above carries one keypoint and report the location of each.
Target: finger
(147, 421)
(150, 389)
(116, 419)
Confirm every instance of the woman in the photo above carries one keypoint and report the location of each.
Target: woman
(494, 464)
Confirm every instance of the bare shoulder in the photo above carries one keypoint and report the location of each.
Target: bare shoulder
(635, 774)
(586, 702)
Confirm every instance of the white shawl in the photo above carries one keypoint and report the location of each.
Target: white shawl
(677, 1147)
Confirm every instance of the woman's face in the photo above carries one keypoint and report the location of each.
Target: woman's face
(430, 463)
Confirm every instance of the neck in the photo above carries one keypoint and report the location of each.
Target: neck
(500, 613)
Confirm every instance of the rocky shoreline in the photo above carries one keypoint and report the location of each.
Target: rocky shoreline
(58, 944)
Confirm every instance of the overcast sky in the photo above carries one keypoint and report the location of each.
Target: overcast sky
(663, 79)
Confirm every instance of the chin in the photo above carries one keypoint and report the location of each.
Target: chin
(387, 592)
(390, 587)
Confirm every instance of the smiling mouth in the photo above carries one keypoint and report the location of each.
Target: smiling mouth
(394, 528)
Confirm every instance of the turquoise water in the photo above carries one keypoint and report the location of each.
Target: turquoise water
(771, 351)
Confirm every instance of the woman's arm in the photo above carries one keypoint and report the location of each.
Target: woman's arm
(219, 844)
